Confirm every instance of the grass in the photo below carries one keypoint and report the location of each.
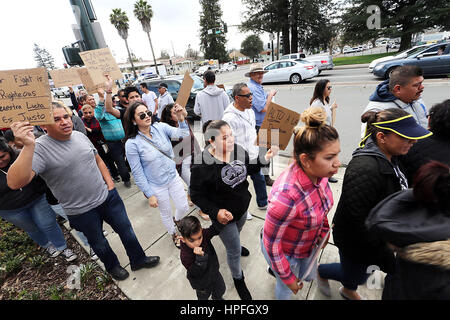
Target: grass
(360, 59)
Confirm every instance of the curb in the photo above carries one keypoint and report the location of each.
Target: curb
(353, 66)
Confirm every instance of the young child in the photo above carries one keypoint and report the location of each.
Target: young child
(200, 259)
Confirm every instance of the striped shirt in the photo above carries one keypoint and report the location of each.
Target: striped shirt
(296, 218)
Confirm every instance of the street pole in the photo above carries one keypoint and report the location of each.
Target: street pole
(153, 53)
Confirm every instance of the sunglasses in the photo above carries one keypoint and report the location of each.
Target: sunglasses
(142, 116)
(248, 95)
(329, 88)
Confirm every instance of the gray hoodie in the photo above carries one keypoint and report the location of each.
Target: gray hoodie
(210, 103)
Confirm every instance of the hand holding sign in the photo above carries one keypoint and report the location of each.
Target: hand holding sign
(23, 133)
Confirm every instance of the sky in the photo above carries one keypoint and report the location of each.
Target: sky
(48, 23)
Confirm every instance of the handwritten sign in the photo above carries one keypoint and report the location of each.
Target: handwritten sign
(25, 96)
(185, 90)
(99, 63)
(87, 81)
(65, 77)
(277, 127)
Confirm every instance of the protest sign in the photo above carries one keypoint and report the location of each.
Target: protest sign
(99, 63)
(87, 82)
(277, 127)
(185, 90)
(65, 77)
(25, 96)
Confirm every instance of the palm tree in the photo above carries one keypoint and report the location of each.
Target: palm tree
(144, 13)
(119, 20)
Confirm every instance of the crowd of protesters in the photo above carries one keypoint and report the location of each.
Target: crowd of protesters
(393, 211)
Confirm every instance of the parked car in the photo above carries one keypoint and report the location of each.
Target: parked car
(348, 50)
(174, 84)
(293, 56)
(61, 92)
(228, 67)
(323, 62)
(399, 55)
(293, 71)
(427, 58)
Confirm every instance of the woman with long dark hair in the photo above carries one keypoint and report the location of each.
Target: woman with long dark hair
(28, 209)
(373, 174)
(150, 154)
(321, 98)
(219, 187)
(416, 225)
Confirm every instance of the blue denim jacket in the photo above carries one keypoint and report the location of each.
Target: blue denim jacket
(148, 165)
(259, 101)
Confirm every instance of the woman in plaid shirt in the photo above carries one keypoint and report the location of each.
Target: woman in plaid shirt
(299, 202)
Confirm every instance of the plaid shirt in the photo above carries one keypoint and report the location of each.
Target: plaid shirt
(96, 136)
(296, 217)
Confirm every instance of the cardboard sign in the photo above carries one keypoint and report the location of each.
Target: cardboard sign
(277, 127)
(25, 96)
(87, 82)
(99, 63)
(185, 90)
(65, 77)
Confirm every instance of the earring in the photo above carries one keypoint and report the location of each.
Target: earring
(134, 123)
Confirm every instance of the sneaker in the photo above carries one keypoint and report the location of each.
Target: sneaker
(343, 295)
(263, 207)
(69, 255)
(92, 254)
(105, 233)
(324, 286)
(127, 184)
(249, 216)
(332, 180)
(116, 179)
(52, 251)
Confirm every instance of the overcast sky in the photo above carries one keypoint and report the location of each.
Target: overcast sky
(48, 23)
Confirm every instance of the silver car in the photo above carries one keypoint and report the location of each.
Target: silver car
(290, 71)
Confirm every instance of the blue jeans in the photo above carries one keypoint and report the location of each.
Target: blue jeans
(117, 152)
(350, 274)
(60, 212)
(38, 220)
(298, 267)
(113, 212)
(259, 183)
(230, 236)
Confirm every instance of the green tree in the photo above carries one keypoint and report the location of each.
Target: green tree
(252, 46)
(43, 58)
(164, 54)
(212, 44)
(398, 19)
(119, 20)
(144, 13)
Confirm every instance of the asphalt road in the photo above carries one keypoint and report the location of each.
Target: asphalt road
(351, 91)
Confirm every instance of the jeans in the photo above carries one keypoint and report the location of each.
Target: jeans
(113, 212)
(232, 242)
(350, 274)
(259, 183)
(217, 289)
(298, 267)
(117, 151)
(175, 190)
(60, 212)
(38, 220)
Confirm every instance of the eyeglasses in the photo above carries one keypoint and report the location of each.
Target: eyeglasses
(248, 95)
(142, 116)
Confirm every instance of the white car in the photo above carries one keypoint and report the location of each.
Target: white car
(400, 55)
(227, 67)
(61, 92)
(293, 71)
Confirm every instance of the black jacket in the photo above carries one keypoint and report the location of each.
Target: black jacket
(369, 178)
(431, 148)
(422, 238)
(201, 270)
(216, 185)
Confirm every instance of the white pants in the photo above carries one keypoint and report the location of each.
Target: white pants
(173, 190)
(186, 170)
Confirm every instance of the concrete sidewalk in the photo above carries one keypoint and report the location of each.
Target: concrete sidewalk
(167, 281)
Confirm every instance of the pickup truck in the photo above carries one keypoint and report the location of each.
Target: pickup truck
(323, 62)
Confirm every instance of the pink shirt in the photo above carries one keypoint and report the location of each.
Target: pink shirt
(296, 218)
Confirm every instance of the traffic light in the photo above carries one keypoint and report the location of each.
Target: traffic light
(71, 54)
(225, 28)
(268, 45)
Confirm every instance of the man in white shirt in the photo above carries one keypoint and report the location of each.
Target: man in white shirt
(241, 118)
(164, 98)
(150, 98)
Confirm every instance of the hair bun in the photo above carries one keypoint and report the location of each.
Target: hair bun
(314, 117)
